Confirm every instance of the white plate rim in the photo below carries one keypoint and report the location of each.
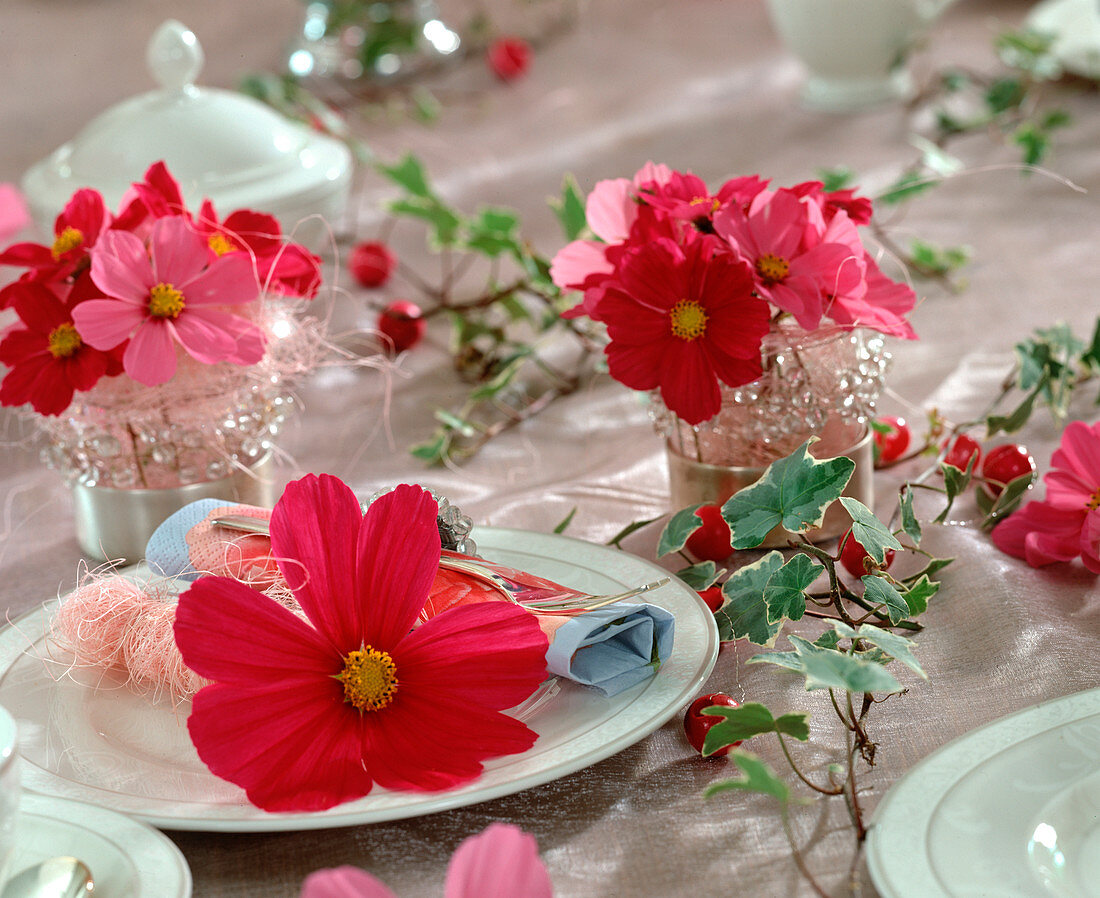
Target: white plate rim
(674, 684)
(910, 874)
(162, 870)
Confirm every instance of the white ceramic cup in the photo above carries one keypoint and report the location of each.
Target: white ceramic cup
(9, 792)
(855, 50)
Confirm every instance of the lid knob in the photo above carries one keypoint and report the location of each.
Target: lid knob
(174, 56)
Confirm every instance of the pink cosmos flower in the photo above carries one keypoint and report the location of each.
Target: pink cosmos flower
(306, 714)
(797, 259)
(681, 319)
(501, 862)
(13, 211)
(879, 303)
(171, 293)
(1067, 523)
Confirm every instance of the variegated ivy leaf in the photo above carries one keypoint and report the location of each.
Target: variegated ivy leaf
(745, 615)
(785, 593)
(700, 576)
(757, 777)
(880, 591)
(895, 646)
(869, 531)
(680, 526)
(831, 669)
(909, 522)
(794, 491)
(748, 720)
(917, 596)
(954, 482)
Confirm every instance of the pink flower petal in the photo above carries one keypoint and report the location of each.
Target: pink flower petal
(105, 323)
(343, 882)
(150, 357)
(611, 210)
(314, 529)
(121, 267)
(290, 749)
(230, 280)
(398, 558)
(1040, 534)
(179, 252)
(204, 335)
(501, 862)
(576, 262)
(13, 211)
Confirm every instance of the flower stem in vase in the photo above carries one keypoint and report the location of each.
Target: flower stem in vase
(138, 465)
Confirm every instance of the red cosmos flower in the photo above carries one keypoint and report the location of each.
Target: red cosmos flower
(76, 230)
(687, 197)
(48, 360)
(305, 714)
(682, 318)
(858, 208)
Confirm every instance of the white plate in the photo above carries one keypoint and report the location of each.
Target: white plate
(1076, 27)
(128, 859)
(110, 747)
(1001, 812)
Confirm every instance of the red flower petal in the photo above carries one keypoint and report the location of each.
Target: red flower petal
(295, 749)
(314, 528)
(28, 255)
(689, 386)
(38, 307)
(398, 552)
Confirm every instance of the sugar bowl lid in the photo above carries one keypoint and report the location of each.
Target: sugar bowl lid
(217, 143)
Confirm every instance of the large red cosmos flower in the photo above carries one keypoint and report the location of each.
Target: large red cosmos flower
(306, 714)
(681, 319)
(48, 360)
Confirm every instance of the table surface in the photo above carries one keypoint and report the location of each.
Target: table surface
(701, 85)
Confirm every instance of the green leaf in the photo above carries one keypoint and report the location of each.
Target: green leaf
(444, 222)
(1016, 419)
(830, 669)
(757, 777)
(566, 521)
(1004, 94)
(493, 231)
(570, 208)
(785, 593)
(434, 450)
(508, 370)
(906, 187)
(454, 422)
(794, 491)
(955, 483)
(425, 104)
(628, 529)
(409, 173)
(1007, 500)
(895, 646)
(828, 640)
(745, 615)
(933, 567)
(835, 178)
(917, 595)
(909, 521)
(1034, 142)
(880, 591)
(869, 531)
(700, 576)
(935, 158)
(680, 526)
(748, 720)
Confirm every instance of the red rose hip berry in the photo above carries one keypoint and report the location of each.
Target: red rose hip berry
(711, 542)
(960, 450)
(1003, 464)
(713, 596)
(853, 556)
(509, 57)
(891, 445)
(402, 323)
(696, 723)
(371, 263)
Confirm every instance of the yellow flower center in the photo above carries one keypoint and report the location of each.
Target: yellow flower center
(688, 319)
(370, 679)
(68, 239)
(221, 244)
(165, 301)
(713, 202)
(772, 269)
(63, 341)
(1094, 501)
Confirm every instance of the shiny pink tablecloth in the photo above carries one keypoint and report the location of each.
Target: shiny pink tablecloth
(701, 85)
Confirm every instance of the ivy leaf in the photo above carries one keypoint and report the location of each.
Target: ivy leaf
(869, 531)
(1004, 94)
(700, 576)
(917, 595)
(434, 450)
(444, 222)
(454, 422)
(835, 178)
(680, 526)
(955, 482)
(906, 187)
(570, 209)
(628, 529)
(1016, 419)
(566, 521)
(408, 173)
(785, 593)
(757, 777)
(895, 646)
(750, 719)
(1007, 500)
(828, 640)
(933, 567)
(745, 615)
(508, 369)
(830, 669)
(909, 522)
(880, 591)
(793, 491)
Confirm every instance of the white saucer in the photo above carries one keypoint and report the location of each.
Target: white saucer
(128, 859)
(1076, 27)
